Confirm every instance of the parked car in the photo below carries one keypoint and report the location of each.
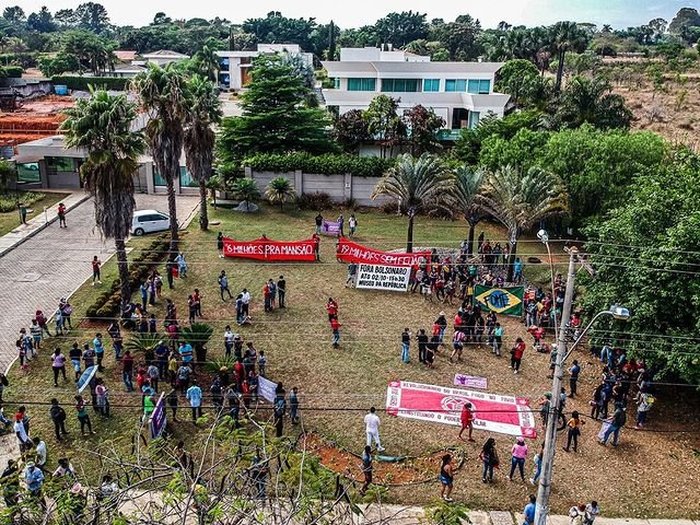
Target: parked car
(149, 221)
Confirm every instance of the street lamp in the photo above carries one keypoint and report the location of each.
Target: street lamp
(550, 438)
(543, 236)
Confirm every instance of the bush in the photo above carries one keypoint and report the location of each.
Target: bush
(8, 201)
(11, 71)
(315, 201)
(328, 164)
(82, 83)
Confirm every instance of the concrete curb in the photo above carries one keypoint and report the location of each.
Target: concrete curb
(43, 226)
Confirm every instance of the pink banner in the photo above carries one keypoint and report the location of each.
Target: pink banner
(471, 381)
(493, 413)
(349, 251)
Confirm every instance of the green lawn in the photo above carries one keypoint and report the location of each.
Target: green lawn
(338, 386)
(10, 220)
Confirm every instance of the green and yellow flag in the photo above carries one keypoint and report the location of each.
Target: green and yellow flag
(506, 301)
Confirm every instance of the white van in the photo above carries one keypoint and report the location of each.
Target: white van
(149, 221)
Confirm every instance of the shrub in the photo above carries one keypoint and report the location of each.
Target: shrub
(12, 72)
(8, 201)
(328, 164)
(82, 83)
(315, 201)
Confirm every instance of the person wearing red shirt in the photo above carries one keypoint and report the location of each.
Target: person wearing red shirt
(517, 354)
(267, 297)
(332, 309)
(62, 215)
(467, 420)
(335, 327)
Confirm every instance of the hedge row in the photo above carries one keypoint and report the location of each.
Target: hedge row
(108, 302)
(82, 83)
(328, 164)
(11, 72)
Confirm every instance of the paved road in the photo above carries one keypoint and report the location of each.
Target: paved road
(52, 264)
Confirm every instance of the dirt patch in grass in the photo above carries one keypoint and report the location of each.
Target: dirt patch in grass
(651, 474)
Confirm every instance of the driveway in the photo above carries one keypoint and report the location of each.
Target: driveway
(54, 263)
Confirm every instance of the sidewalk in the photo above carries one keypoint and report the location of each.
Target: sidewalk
(23, 232)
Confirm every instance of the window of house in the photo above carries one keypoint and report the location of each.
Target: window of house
(336, 83)
(456, 85)
(400, 85)
(60, 164)
(479, 87)
(473, 119)
(158, 180)
(28, 172)
(362, 84)
(186, 180)
(431, 85)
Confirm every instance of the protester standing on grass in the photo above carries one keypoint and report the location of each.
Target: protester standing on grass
(372, 423)
(335, 329)
(58, 418)
(220, 244)
(498, 332)
(83, 417)
(516, 354)
(58, 365)
(446, 478)
(294, 406)
(529, 511)
(405, 345)
(466, 418)
(422, 339)
(96, 275)
(644, 403)
(61, 215)
(194, 396)
(279, 408)
(574, 431)
(519, 453)
(352, 224)
(615, 425)
(319, 223)
(574, 372)
(352, 273)
(223, 285)
(282, 291)
(489, 460)
(367, 468)
(538, 466)
(22, 437)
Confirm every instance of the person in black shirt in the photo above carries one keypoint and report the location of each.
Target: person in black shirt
(75, 355)
(405, 345)
(319, 223)
(58, 417)
(422, 339)
(220, 244)
(281, 290)
(431, 349)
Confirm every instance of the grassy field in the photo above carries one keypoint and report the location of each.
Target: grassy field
(338, 386)
(10, 220)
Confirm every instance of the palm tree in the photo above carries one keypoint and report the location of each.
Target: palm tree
(468, 182)
(518, 200)
(203, 111)
(247, 190)
(417, 184)
(161, 92)
(101, 125)
(565, 36)
(279, 190)
(207, 62)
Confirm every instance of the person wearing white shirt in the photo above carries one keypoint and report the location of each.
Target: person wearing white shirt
(24, 442)
(41, 454)
(372, 429)
(246, 302)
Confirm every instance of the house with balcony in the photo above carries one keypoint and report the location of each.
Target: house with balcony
(235, 66)
(459, 92)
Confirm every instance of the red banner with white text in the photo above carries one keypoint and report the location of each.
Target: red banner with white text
(264, 249)
(348, 251)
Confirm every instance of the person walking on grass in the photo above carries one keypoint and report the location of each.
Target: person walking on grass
(220, 244)
(498, 332)
(83, 416)
(223, 285)
(618, 421)
(516, 354)
(574, 372)
(446, 478)
(58, 418)
(405, 345)
(574, 431)
(519, 453)
(96, 266)
(367, 467)
(282, 291)
(529, 511)
(372, 424)
(294, 406)
(58, 365)
(489, 460)
(466, 419)
(335, 328)
(194, 396)
(352, 224)
(537, 460)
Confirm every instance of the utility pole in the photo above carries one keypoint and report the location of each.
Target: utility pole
(550, 438)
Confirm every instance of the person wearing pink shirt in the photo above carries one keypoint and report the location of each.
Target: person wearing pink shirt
(519, 452)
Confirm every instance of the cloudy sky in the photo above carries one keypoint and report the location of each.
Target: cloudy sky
(618, 13)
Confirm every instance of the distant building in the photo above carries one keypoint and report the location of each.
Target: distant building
(161, 57)
(235, 66)
(460, 92)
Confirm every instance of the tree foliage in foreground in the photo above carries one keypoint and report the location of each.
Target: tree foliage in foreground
(645, 254)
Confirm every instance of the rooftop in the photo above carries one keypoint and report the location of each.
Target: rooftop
(164, 53)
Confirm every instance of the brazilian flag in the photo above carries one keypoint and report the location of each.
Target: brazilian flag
(506, 301)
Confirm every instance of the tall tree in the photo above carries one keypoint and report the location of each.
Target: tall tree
(685, 18)
(102, 126)
(460, 38)
(161, 92)
(468, 183)
(350, 130)
(565, 36)
(14, 14)
(203, 111)
(276, 28)
(417, 184)
(592, 101)
(276, 117)
(519, 199)
(401, 28)
(422, 126)
(93, 17)
(42, 21)
(384, 124)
